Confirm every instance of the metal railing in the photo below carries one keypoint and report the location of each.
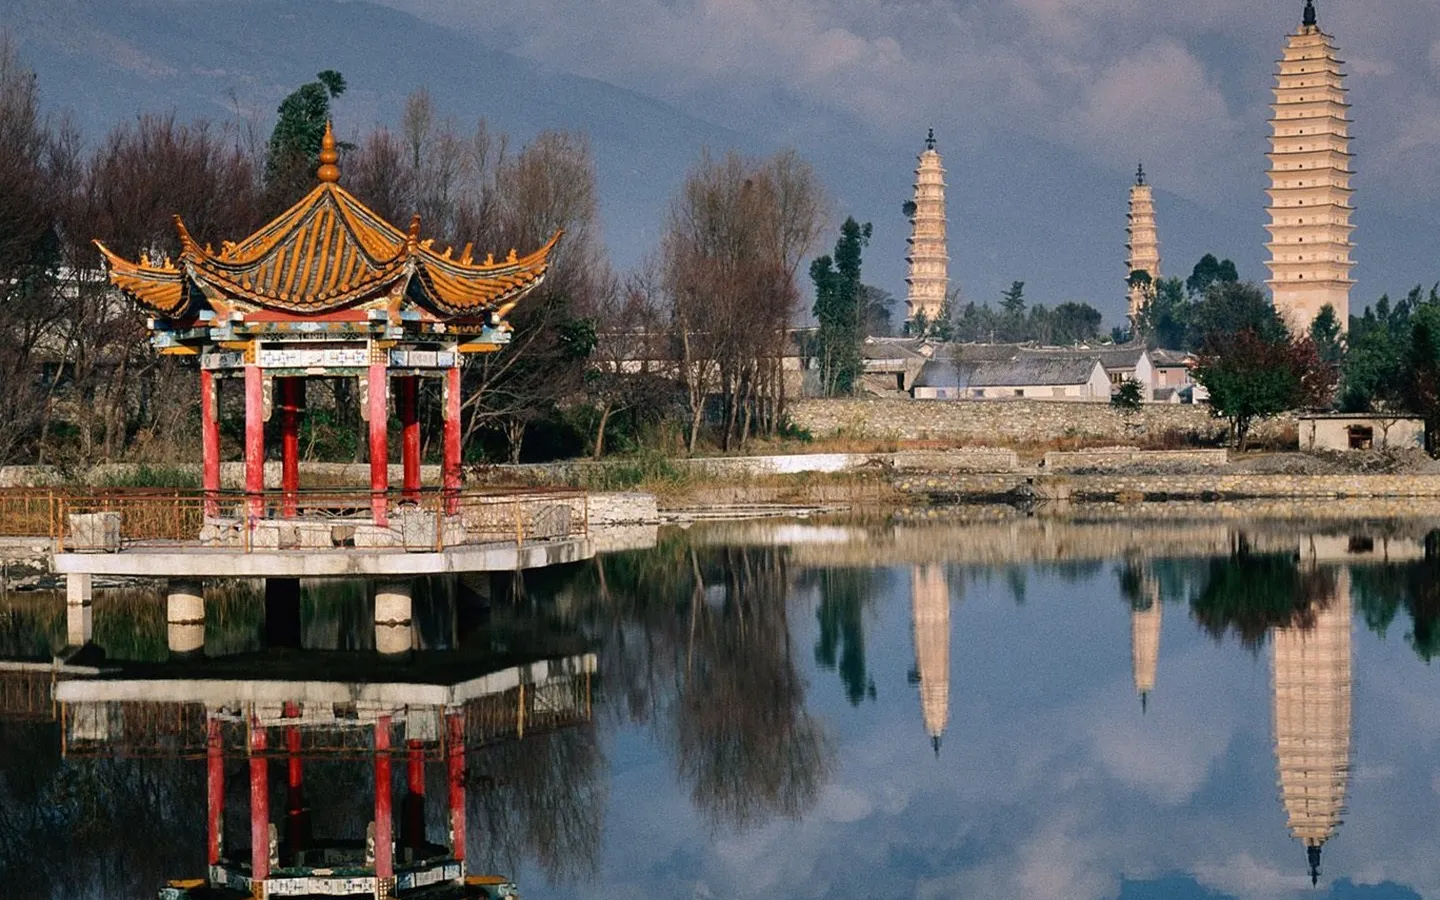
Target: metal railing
(115, 519)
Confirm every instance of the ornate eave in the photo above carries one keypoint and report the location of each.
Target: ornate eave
(331, 259)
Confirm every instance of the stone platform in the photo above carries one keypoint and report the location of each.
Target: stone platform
(192, 561)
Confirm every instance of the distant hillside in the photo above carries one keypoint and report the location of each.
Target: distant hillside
(106, 61)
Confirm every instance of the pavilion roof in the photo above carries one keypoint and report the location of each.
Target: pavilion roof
(327, 252)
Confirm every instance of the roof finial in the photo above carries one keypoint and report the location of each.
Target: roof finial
(1310, 20)
(1312, 854)
(328, 173)
(930, 140)
(1140, 174)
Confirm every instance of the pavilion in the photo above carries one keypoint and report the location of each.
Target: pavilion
(328, 289)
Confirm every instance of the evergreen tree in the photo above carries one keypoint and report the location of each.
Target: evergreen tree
(1208, 271)
(1325, 332)
(839, 298)
(293, 153)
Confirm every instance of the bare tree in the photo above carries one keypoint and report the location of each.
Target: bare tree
(733, 242)
(29, 251)
(629, 370)
(548, 187)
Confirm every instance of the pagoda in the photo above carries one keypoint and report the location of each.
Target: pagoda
(1142, 245)
(328, 289)
(1310, 180)
(929, 279)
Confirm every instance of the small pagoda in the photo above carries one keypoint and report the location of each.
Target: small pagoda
(328, 289)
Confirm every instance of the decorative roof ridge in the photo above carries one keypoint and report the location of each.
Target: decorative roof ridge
(459, 267)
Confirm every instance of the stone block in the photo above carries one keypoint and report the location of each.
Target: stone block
(265, 536)
(310, 536)
(418, 528)
(546, 521)
(95, 532)
(219, 532)
(376, 537)
(453, 532)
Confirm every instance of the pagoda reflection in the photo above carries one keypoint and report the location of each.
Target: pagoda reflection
(1145, 625)
(930, 610)
(1310, 667)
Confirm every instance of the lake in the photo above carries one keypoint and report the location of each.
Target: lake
(1018, 707)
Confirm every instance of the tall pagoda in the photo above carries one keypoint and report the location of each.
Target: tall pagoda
(1310, 180)
(328, 289)
(929, 260)
(1142, 244)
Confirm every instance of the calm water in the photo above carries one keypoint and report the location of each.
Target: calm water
(1015, 709)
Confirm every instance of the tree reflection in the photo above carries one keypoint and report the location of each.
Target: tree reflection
(1381, 591)
(540, 798)
(697, 643)
(50, 806)
(844, 597)
(742, 737)
(1249, 593)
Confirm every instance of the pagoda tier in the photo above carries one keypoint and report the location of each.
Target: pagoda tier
(929, 260)
(1143, 246)
(327, 267)
(1310, 180)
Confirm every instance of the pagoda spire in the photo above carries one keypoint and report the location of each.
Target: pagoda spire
(1310, 20)
(1312, 855)
(328, 173)
(1140, 174)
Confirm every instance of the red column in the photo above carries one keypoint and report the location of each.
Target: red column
(379, 442)
(210, 442)
(384, 837)
(291, 399)
(259, 806)
(408, 401)
(254, 438)
(295, 813)
(450, 464)
(455, 759)
(214, 788)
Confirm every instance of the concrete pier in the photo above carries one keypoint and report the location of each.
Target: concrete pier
(79, 616)
(394, 624)
(185, 617)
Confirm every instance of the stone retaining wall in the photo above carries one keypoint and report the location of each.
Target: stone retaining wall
(1109, 458)
(1015, 421)
(1215, 486)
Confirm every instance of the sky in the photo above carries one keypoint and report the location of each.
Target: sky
(1096, 84)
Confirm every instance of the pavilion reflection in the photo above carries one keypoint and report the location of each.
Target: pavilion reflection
(362, 721)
